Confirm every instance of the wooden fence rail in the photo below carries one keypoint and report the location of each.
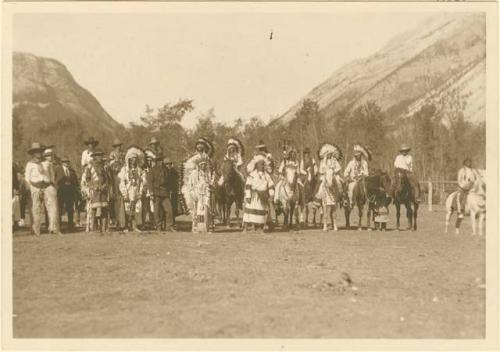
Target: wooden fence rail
(437, 191)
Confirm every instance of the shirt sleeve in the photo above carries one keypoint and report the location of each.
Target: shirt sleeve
(364, 170)
(347, 170)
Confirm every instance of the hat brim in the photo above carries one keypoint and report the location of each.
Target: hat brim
(34, 150)
(404, 149)
(91, 142)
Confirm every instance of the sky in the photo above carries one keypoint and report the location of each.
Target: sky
(224, 61)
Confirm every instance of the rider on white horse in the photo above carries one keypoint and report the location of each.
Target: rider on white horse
(356, 168)
(466, 179)
(289, 161)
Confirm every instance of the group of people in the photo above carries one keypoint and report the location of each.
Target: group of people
(140, 185)
(129, 190)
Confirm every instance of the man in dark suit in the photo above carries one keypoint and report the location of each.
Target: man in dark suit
(172, 185)
(67, 189)
(161, 196)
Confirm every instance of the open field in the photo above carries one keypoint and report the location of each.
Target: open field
(422, 284)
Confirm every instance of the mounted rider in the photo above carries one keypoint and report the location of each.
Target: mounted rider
(308, 165)
(259, 189)
(234, 153)
(404, 163)
(290, 160)
(356, 169)
(465, 180)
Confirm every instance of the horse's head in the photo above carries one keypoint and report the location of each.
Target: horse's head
(227, 169)
(479, 186)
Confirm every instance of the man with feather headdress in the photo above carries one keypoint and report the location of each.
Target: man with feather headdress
(329, 155)
(132, 184)
(197, 176)
(356, 168)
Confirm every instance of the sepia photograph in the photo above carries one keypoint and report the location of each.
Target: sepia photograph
(252, 172)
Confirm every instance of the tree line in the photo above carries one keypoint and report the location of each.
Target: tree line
(438, 132)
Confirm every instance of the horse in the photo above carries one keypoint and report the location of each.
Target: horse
(230, 191)
(369, 190)
(475, 205)
(404, 193)
(290, 197)
(310, 186)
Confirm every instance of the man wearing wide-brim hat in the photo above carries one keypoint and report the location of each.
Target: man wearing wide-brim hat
(67, 191)
(91, 144)
(96, 186)
(404, 162)
(154, 145)
(38, 180)
(172, 185)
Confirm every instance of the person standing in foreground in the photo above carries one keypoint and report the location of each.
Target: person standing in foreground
(465, 181)
(161, 195)
(199, 187)
(172, 186)
(132, 182)
(404, 162)
(116, 160)
(259, 189)
(96, 186)
(67, 191)
(52, 203)
(38, 180)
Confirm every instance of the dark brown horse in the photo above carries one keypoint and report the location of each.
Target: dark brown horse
(369, 190)
(405, 193)
(230, 192)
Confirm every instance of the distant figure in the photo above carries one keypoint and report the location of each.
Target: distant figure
(67, 191)
(38, 180)
(465, 180)
(91, 144)
(271, 36)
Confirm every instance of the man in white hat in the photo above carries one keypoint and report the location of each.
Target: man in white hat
(355, 170)
(38, 180)
(404, 161)
(51, 191)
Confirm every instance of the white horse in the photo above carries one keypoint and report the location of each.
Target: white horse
(475, 205)
(289, 195)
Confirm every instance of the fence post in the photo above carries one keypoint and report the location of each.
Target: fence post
(429, 195)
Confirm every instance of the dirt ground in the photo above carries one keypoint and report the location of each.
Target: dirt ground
(307, 284)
